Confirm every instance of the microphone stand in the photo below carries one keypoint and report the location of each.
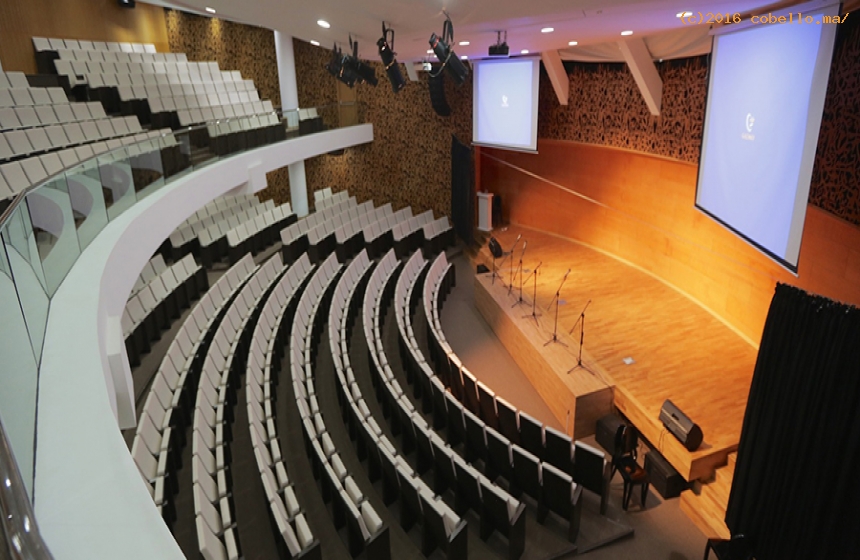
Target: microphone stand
(534, 314)
(555, 328)
(581, 339)
(511, 254)
(520, 272)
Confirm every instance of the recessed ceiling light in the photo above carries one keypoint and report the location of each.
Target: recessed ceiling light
(547, 30)
(572, 44)
(524, 51)
(626, 33)
(683, 14)
(210, 10)
(323, 23)
(429, 51)
(315, 43)
(464, 57)
(463, 43)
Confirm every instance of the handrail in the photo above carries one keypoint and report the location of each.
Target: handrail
(17, 522)
(18, 530)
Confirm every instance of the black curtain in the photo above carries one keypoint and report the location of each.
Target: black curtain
(796, 487)
(462, 201)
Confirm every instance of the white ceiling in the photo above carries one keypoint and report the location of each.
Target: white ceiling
(592, 23)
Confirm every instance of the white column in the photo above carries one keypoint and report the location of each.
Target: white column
(290, 100)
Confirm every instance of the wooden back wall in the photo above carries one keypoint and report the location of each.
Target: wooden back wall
(641, 210)
(92, 20)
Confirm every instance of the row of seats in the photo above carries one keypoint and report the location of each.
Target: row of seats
(255, 235)
(408, 234)
(183, 239)
(158, 302)
(9, 80)
(170, 399)
(52, 44)
(366, 530)
(245, 133)
(438, 235)
(151, 269)
(294, 238)
(212, 240)
(30, 97)
(442, 526)
(223, 366)
(15, 176)
(324, 198)
(33, 141)
(512, 445)
(296, 539)
(13, 118)
(323, 239)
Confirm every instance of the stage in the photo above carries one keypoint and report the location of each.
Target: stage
(677, 350)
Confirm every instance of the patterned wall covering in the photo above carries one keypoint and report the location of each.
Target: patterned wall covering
(607, 108)
(836, 175)
(409, 161)
(235, 46)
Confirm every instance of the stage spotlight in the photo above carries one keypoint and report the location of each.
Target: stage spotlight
(387, 54)
(348, 69)
(446, 55)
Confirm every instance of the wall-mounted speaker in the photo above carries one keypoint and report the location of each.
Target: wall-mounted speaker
(687, 431)
(437, 95)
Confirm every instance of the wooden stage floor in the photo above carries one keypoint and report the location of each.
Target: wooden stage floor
(679, 350)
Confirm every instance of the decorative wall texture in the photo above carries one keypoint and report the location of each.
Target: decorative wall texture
(235, 46)
(409, 161)
(836, 176)
(606, 108)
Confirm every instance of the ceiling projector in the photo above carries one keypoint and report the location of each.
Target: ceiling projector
(501, 47)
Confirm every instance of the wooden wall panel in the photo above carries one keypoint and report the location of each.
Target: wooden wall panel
(641, 211)
(92, 20)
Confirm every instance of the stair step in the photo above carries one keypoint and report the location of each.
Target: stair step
(705, 514)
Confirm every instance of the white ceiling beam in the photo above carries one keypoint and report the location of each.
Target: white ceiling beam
(642, 67)
(557, 75)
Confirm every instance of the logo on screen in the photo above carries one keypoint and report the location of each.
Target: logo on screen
(749, 123)
(504, 101)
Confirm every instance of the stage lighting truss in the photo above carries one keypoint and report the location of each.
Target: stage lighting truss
(442, 48)
(389, 60)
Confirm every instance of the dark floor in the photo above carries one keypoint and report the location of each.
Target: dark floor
(662, 531)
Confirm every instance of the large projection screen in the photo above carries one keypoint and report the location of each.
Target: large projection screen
(505, 103)
(763, 114)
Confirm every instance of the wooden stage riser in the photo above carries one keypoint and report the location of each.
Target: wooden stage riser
(577, 405)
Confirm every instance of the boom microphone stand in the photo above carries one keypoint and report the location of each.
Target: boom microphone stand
(555, 328)
(520, 272)
(534, 314)
(581, 338)
(511, 254)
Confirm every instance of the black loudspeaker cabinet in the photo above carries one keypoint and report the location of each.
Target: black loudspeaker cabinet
(606, 428)
(495, 248)
(679, 424)
(664, 478)
(436, 85)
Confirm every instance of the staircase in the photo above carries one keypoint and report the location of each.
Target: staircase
(472, 251)
(707, 507)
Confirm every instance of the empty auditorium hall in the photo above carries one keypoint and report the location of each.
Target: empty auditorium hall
(398, 280)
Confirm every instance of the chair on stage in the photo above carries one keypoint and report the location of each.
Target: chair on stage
(736, 548)
(624, 461)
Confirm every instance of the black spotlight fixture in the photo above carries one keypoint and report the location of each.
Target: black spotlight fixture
(387, 54)
(349, 69)
(446, 55)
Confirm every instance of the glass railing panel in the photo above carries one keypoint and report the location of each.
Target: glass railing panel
(19, 241)
(53, 223)
(117, 182)
(18, 375)
(147, 169)
(88, 201)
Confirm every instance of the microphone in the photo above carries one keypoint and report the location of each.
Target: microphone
(568, 272)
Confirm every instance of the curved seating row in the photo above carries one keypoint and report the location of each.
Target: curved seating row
(183, 239)
(296, 539)
(151, 269)
(510, 443)
(258, 232)
(442, 527)
(169, 403)
(294, 237)
(366, 530)
(154, 307)
(223, 366)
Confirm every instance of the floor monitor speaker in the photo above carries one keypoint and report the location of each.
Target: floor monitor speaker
(687, 431)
